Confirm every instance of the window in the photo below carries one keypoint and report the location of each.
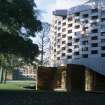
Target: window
(64, 17)
(58, 52)
(63, 54)
(102, 19)
(94, 10)
(64, 35)
(64, 29)
(94, 38)
(94, 52)
(77, 14)
(103, 26)
(70, 25)
(58, 58)
(54, 50)
(103, 12)
(55, 21)
(94, 44)
(64, 23)
(102, 40)
(70, 19)
(76, 53)
(55, 27)
(103, 48)
(85, 21)
(85, 49)
(69, 31)
(77, 33)
(103, 55)
(70, 38)
(58, 46)
(69, 44)
(76, 40)
(85, 42)
(77, 20)
(94, 31)
(59, 22)
(85, 15)
(69, 50)
(58, 40)
(76, 46)
(94, 24)
(59, 28)
(63, 42)
(69, 57)
(94, 17)
(102, 33)
(84, 29)
(59, 34)
(77, 26)
(85, 55)
(63, 48)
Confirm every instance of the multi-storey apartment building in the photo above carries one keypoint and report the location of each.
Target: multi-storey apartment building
(78, 36)
(25, 72)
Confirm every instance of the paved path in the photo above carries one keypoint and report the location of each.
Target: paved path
(50, 98)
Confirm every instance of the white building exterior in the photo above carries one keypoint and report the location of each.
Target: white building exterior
(78, 36)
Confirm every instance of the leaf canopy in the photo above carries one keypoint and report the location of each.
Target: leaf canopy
(15, 14)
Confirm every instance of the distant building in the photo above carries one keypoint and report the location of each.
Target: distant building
(26, 72)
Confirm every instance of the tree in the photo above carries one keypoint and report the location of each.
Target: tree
(17, 45)
(18, 14)
(43, 43)
(9, 63)
(18, 21)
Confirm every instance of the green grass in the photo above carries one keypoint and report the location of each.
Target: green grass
(17, 85)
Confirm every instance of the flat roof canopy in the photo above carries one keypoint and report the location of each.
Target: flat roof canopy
(60, 12)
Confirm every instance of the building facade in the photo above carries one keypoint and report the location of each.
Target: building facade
(26, 72)
(78, 36)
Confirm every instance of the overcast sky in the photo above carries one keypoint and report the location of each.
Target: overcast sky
(47, 6)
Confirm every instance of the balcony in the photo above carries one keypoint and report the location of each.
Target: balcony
(94, 13)
(94, 20)
(103, 14)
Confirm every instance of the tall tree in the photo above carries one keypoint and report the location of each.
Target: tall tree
(18, 46)
(44, 42)
(18, 21)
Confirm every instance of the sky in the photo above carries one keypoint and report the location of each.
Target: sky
(47, 6)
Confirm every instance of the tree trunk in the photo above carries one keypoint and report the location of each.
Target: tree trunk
(5, 77)
(1, 74)
(42, 52)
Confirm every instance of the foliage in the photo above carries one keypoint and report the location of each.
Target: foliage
(17, 45)
(16, 14)
(18, 21)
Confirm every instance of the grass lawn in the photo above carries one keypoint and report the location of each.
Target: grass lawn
(16, 85)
